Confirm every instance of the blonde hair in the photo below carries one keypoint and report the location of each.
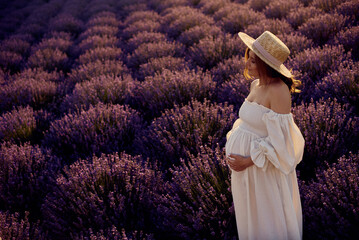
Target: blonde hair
(269, 75)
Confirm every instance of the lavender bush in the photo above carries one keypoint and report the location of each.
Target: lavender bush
(15, 45)
(27, 174)
(143, 37)
(13, 226)
(276, 26)
(229, 67)
(158, 65)
(212, 50)
(27, 91)
(296, 42)
(349, 38)
(193, 35)
(147, 51)
(280, 8)
(167, 89)
(331, 201)
(100, 129)
(62, 42)
(34, 87)
(113, 233)
(209, 7)
(198, 202)
(298, 16)
(85, 72)
(105, 89)
(258, 5)
(349, 9)
(140, 26)
(238, 20)
(96, 41)
(180, 19)
(98, 31)
(341, 84)
(329, 130)
(162, 5)
(49, 59)
(323, 27)
(225, 10)
(111, 190)
(101, 53)
(315, 63)
(326, 5)
(66, 23)
(140, 16)
(11, 61)
(17, 125)
(234, 90)
(183, 130)
(104, 18)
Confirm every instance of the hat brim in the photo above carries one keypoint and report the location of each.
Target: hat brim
(248, 40)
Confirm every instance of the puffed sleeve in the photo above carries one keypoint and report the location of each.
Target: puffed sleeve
(284, 145)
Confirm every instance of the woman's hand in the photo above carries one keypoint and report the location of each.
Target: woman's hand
(239, 163)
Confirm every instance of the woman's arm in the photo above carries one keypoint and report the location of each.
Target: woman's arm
(239, 163)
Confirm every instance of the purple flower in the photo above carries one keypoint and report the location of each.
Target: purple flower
(97, 41)
(49, 59)
(111, 190)
(212, 50)
(179, 19)
(105, 89)
(100, 129)
(313, 64)
(193, 35)
(85, 72)
(210, 7)
(66, 23)
(166, 89)
(298, 16)
(158, 65)
(17, 125)
(197, 203)
(98, 31)
(183, 130)
(11, 61)
(280, 8)
(13, 226)
(146, 51)
(276, 26)
(341, 84)
(27, 174)
(100, 53)
(239, 19)
(329, 129)
(323, 27)
(330, 202)
(143, 37)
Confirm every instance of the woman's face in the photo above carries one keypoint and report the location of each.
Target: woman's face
(251, 65)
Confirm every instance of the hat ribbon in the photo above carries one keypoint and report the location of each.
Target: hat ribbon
(266, 54)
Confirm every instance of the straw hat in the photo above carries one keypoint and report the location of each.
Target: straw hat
(270, 49)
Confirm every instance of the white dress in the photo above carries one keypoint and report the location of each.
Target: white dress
(266, 195)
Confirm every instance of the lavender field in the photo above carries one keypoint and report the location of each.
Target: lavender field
(114, 115)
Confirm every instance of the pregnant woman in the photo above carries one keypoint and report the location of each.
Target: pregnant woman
(265, 145)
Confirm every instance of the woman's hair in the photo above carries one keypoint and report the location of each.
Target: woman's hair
(269, 74)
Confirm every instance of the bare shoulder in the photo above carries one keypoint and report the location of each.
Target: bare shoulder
(280, 98)
(253, 84)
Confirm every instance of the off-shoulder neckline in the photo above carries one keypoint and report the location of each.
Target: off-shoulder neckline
(260, 105)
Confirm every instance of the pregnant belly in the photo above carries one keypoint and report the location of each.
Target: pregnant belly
(239, 142)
